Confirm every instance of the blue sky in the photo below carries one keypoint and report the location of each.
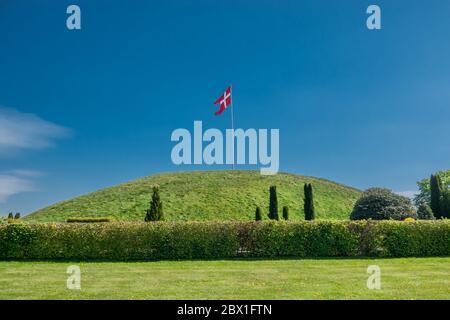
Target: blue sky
(85, 109)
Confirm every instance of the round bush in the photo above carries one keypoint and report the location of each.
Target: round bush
(383, 204)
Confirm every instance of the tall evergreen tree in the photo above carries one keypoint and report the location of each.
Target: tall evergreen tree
(273, 203)
(308, 202)
(155, 213)
(258, 215)
(445, 204)
(10, 215)
(286, 213)
(17, 215)
(436, 190)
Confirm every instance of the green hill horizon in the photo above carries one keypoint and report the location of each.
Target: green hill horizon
(206, 195)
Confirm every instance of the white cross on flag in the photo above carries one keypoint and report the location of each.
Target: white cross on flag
(224, 101)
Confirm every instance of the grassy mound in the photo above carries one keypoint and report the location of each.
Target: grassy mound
(206, 195)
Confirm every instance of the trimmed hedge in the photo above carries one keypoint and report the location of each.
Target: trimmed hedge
(219, 240)
(89, 220)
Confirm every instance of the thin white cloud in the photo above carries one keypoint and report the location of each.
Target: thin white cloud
(11, 185)
(27, 131)
(409, 193)
(24, 173)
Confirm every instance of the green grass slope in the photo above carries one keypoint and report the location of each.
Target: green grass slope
(206, 195)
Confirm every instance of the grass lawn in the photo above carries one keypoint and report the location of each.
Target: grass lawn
(421, 278)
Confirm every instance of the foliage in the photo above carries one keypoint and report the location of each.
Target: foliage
(205, 195)
(286, 213)
(15, 240)
(89, 220)
(424, 195)
(17, 215)
(424, 212)
(221, 240)
(258, 214)
(273, 203)
(436, 194)
(309, 202)
(382, 204)
(445, 204)
(155, 213)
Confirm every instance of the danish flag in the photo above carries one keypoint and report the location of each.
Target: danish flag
(224, 101)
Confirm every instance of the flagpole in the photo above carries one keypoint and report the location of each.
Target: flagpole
(232, 118)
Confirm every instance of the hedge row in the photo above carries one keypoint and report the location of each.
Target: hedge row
(212, 240)
(89, 220)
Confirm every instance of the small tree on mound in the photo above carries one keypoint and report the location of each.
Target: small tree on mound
(258, 215)
(155, 213)
(425, 212)
(436, 193)
(273, 203)
(286, 213)
(308, 202)
(383, 204)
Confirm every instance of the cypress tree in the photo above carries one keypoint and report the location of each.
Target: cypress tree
(445, 204)
(436, 191)
(17, 216)
(258, 215)
(273, 203)
(285, 213)
(308, 202)
(155, 213)
(10, 215)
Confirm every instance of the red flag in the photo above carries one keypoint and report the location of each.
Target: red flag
(224, 101)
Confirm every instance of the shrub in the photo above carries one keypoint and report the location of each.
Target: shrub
(17, 215)
(125, 241)
(155, 213)
(10, 216)
(89, 220)
(273, 203)
(258, 215)
(308, 202)
(15, 240)
(382, 204)
(412, 239)
(424, 212)
(445, 204)
(436, 193)
(285, 213)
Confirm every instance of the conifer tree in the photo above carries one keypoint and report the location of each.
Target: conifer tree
(258, 215)
(309, 202)
(445, 204)
(436, 191)
(273, 203)
(286, 213)
(155, 213)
